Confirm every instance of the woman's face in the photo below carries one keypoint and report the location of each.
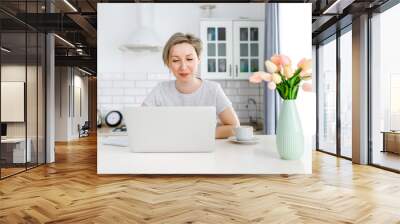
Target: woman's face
(183, 62)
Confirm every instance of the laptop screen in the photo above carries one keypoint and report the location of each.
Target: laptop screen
(3, 129)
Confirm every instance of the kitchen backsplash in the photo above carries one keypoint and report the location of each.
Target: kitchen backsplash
(117, 90)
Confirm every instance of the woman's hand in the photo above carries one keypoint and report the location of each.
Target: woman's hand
(229, 121)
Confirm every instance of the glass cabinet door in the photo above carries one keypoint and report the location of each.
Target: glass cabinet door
(248, 48)
(216, 57)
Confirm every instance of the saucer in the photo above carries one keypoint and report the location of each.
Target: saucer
(250, 141)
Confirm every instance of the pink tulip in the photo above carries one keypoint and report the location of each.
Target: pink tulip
(307, 87)
(271, 67)
(287, 71)
(285, 60)
(276, 59)
(305, 64)
(276, 78)
(280, 59)
(266, 76)
(271, 85)
(255, 78)
(259, 76)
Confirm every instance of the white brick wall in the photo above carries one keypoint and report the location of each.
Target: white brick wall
(239, 92)
(104, 99)
(110, 76)
(104, 84)
(116, 91)
(146, 84)
(122, 84)
(111, 92)
(135, 76)
(140, 99)
(135, 91)
(159, 77)
(248, 92)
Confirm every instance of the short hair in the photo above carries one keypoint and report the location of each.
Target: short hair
(179, 38)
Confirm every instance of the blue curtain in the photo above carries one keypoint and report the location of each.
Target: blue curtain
(271, 98)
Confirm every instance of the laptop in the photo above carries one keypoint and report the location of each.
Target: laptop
(171, 129)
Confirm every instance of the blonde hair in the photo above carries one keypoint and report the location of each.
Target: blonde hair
(179, 38)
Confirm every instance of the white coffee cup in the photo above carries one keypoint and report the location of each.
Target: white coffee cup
(244, 133)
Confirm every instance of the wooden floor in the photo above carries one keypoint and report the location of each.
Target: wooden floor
(10, 171)
(70, 191)
(387, 159)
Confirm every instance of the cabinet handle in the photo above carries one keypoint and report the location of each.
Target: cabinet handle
(237, 73)
(230, 69)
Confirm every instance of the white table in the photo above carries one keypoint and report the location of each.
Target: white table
(228, 158)
(19, 155)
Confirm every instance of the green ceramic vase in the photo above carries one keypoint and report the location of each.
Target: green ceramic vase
(289, 136)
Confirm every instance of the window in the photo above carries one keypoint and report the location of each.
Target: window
(385, 89)
(327, 96)
(22, 65)
(346, 93)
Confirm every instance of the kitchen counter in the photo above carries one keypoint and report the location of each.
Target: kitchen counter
(228, 158)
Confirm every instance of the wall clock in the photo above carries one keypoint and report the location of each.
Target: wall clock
(113, 118)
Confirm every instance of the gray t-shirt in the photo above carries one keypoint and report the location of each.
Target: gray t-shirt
(208, 94)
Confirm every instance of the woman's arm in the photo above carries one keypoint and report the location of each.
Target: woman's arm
(229, 121)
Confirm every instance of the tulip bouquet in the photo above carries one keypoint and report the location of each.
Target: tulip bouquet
(282, 77)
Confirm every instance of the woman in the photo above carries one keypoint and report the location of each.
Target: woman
(181, 55)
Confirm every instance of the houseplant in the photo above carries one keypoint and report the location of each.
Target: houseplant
(282, 77)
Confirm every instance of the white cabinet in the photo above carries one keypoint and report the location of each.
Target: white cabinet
(233, 49)
(217, 56)
(248, 47)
